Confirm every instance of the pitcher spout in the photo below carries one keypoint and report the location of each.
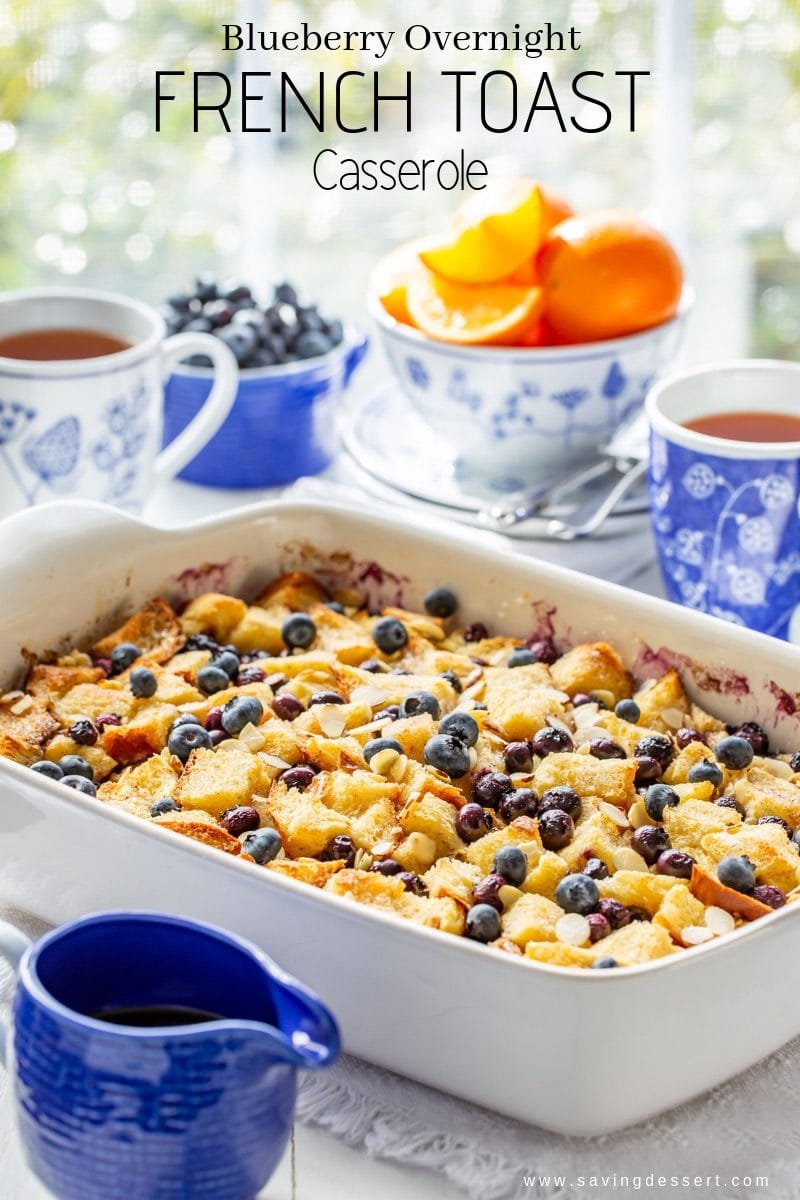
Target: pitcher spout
(310, 1035)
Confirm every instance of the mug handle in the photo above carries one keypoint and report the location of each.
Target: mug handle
(13, 945)
(174, 457)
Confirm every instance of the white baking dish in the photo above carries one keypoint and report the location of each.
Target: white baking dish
(577, 1052)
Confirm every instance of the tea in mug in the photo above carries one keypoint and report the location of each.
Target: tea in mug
(751, 426)
(59, 345)
(155, 1015)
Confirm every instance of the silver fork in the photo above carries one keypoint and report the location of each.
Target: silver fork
(624, 456)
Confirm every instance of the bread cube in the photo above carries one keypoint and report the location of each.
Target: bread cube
(521, 700)
(546, 875)
(657, 695)
(768, 848)
(690, 821)
(214, 782)
(307, 870)
(558, 954)
(155, 629)
(531, 919)
(259, 630)
(638, 889)
(92, 700)
(214, 613)
(765, 794)
(137, 788)
(53, 682)
(595, 837)
(295, 590)
(30, 727)
(429, 815)
(523, 833)
(678, 770)
(450, 877)
(436, 913)
(341, 636)
(679, 910)
(609, 779)
(100, 762)
(375, 825)
(592, 667)
(305, 824)
(144, 734)
(353, 794)
(638, 942)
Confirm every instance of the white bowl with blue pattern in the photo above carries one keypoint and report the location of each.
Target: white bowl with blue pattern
(530, 411)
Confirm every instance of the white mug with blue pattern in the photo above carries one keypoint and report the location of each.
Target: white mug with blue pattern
(91, 427)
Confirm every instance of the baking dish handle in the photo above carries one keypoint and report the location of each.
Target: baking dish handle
(13, 945)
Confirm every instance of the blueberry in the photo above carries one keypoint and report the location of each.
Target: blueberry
(555, 829)
(512, 864)
(241, 711)
(190, 719)
(186, 738)
(198, 325)
(730, 802)
(518, 757)
(262, 845)
(487, 891)
(74, 764)
(605, 747)
(687, 735)
(180, 301)
(628, 710)
(218, 312)
(335, 607)
(472, 822)
(483, 923)
(616, 913)
(796, 838)
(595, 868)
(298, 631)
(476, 632)
(705, 772)
(440, 602)
(771, 820)
(420, 702)
(286, 706)
(543, 650)
(285, 293)
(577, 894)
(581, 698)
(656, 746)
(737, 872)
(551, 740)
(767, 894)
(228, 662)
(50, 770)
(389, 635)
(83, 732)
(599, 927)
(563, 798)
(107, 719)
(794, 762)
(143, 683)
(375, 745)
(249, 675)
(752, 732)
(340, 849)
(657, 798)
(165, 805)
(326, 698)
(647, 770)
(217, 736)
(447, 753)
(387, 866)
(462, 726)
(412, 883)
(311, 343)
(675, 863)
(237, 293)
(299, 777)
(604, 964)
(335, 331)
(202, 641)
(522, 802)
(735, 753)
(490, 787)
(123, 656)
(211, 679)
(241, 340)
(650, 841)
(521, 657)
(205, 287)
(241, 818)
(81, 784)
(309, 318)
(453, 680)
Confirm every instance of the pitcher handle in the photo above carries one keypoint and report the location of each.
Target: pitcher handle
(13, 945)
(314, 1033)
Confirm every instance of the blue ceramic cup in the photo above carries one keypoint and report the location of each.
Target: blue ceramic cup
(284, 422)
(725, 512)
(198, 1111)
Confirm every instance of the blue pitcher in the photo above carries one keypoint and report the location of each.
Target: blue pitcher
(110, 1104)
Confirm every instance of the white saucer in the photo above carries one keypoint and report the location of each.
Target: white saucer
(390, 450)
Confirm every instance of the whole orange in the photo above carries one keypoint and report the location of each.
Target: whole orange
(607, 274)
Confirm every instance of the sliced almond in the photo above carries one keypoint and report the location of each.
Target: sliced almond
(332, 721)
(368, 694)
(272, 760)
(638, 815)
(616, 814)
(573, 929)
(371, 727)
(719, 920)
(382, 849)
(252, 738)
(383, 762)
(10, 698)
(776, 767)
(694, 935)
(672, 717)
(626, 859)
(21, 706)
(399, 769)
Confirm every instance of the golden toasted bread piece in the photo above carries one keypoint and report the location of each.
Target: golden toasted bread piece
(52, 681)
(304, 822)
(213, 613)
(679, 910)
(557, 954)
(609, 779)
(296, 590)
(155, 629)
(203, 831)
(101, 763)
(657, 696)
(773, 855)
(531, 919)
(594, 668)
(217, 781)
(638, 889)
(144, 734)
(546, 875)
(27, 723)
(709, 891)
(521, 700)
(764, 794)
(639, 942)
(307, 870)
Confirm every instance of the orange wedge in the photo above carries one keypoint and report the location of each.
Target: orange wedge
(389, 277)
(494, 233)
(498, 314)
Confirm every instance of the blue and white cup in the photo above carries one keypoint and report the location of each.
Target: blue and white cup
(725, 513)
(91, 427)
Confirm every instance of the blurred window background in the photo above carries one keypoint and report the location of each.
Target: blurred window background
(89, 193)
